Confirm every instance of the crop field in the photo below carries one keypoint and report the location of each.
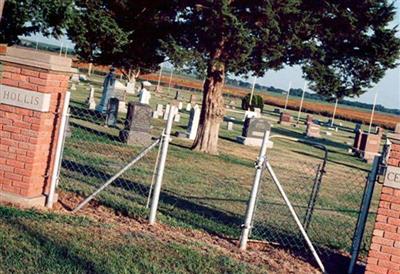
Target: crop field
(209, 193)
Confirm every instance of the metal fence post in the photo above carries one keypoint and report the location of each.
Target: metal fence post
(161, 166)
(254, 191)
(362, 217)
(59, 148)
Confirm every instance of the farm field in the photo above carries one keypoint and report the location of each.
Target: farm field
(209, 193)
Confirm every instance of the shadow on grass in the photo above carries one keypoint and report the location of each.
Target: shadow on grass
(184, 211)
(61, 253)
(91, 131)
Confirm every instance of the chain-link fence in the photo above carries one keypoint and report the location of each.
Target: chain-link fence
(326, 198)
(94, 152)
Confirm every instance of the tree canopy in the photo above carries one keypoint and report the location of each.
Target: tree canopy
(24, 17)
(126, 34)
(343, 46)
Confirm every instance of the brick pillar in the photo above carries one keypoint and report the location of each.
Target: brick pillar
(32, 89)
(384, 253)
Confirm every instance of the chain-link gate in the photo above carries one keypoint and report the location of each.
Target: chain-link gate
(94, 153)
(326, 196)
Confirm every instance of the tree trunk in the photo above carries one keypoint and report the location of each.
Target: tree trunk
(212, 111)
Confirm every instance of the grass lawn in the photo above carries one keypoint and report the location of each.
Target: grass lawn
(34, 242)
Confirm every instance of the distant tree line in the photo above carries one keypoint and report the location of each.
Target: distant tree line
(313, 96)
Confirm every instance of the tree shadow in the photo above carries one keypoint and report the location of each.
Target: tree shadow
(62, 252)
(96, 132)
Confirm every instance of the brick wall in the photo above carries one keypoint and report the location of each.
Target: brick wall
(28, 137)
(384, 254)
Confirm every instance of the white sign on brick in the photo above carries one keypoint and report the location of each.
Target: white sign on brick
(392, 178)
(24, 98)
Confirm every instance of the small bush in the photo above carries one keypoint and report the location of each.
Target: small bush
(256, 102)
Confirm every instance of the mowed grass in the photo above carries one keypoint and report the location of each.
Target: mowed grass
(210, 192)
(33, 242)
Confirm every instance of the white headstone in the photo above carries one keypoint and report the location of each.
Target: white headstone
(75, 78)
(90, 100)
(188, 107)
(177, 118)
(155, 114)
(180, 105)
(249, 114)
(230, 125)
(145, 96)
(130, 87)
(73, 87)
(160, 109)
(166, 112)
(257, 112)
(194, 122)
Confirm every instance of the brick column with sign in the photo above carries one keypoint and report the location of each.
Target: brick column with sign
(384, 253)
(32, 89)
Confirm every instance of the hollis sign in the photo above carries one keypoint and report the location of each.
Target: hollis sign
(392, 177)
(24, 98)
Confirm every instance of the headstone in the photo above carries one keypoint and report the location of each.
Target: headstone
(253, 132)
(108, 91)
(160, 109)
(369, 146)
(144, 96)
(309, 119)
(249, 114)
(194, 120)
(328, 133)
(357, 127)
(313, 131)
(188, 107)
(257, 112)
(91, 103)
(73, 87)
(166, 112)
(397, 128)
(192, 99)
(120, 94)
(229, 125)
(180, 105)
(75, 77)
(155, 115)
(176, 95)
(137, 124)
(379, 131)
(130, 87)
(177, 118)
(83, 77)
(112, 112)
(285, 118)
(357, 141)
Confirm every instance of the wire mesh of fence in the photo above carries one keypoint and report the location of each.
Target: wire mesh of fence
(326, 198)
(95, 151)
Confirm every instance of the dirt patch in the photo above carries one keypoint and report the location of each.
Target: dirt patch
(277, 260)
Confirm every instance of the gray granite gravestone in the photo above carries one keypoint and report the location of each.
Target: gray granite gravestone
(137, 124)
(112, 112)
(253, 132)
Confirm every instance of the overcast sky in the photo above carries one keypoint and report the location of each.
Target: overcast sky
(388, 88)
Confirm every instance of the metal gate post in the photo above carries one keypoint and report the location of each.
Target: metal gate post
(254, 191)
(161, 166)
(362, 217)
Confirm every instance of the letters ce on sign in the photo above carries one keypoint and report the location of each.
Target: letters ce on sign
(24, 98)
(392, 177)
